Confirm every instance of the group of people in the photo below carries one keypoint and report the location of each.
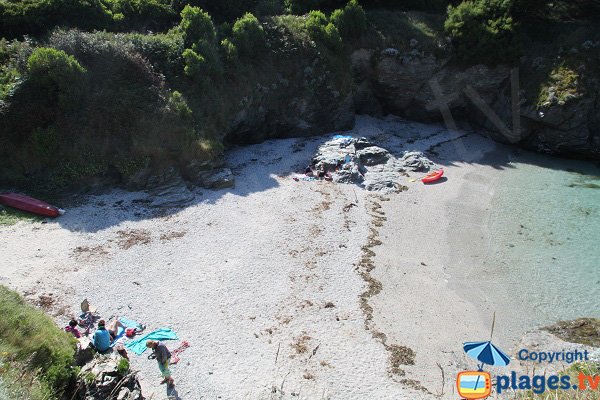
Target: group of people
(105, 335)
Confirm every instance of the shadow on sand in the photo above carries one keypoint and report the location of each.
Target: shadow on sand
(258, 167)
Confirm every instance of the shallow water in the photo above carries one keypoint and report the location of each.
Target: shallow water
(545, 237)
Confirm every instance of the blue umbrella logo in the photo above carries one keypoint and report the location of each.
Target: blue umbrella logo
(486, 353)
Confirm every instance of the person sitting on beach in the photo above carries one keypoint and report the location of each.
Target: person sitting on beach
(163, 357)
(113, 328)
(72, 328)
(101, 339)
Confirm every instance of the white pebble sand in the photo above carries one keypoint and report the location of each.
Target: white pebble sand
(267, 281)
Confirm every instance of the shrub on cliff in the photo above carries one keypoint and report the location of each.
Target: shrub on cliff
(142, 14)
(35, 17)
(248, 35)
(56, 75)
(196, 24)
(483, 31)
(321, 30)
(351, 21)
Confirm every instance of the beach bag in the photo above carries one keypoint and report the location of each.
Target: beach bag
(130, 332)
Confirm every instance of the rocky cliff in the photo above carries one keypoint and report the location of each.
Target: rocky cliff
(415, 85)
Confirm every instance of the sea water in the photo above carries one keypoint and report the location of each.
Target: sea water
(545, 237)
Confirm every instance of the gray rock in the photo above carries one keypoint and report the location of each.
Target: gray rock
(390, 52)
(100, 379)
(85, 351)
(217, 179)
(415, 161)
(373, 155)
(174, 194)
(358, 161)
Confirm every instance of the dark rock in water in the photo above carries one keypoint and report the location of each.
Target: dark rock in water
(373, 155)
(583, 330)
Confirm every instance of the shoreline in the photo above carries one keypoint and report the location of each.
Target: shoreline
(274, 282)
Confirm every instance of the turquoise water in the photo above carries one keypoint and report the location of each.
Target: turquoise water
(545, 235)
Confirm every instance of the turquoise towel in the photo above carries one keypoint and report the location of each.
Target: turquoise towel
(120, 334)
(138, 346)
(129, 323)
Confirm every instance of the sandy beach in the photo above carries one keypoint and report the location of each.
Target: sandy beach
(281, 288)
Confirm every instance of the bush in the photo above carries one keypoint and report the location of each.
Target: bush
(315, 24)
(54, 70)
(333, 39)
(351, 21)
(320, 30)
(31, 338)
(163, 50)
(143, 14)
(248, 35)
(230, 52)
(195, 64)
(36, 17)
(196, 25)
(483, 31)
(178, 105)
(221, 10)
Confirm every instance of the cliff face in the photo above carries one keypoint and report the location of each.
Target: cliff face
(412, 84)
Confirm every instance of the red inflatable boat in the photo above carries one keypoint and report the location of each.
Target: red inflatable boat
(433, 176)
(29, 204)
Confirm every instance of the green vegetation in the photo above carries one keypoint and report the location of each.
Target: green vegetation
(351, 21)
(10, 216)
(99, 91)
(483, 31)
(587, 368)
(563, 84)
(123, 367)
(321, 30)
(31, 344)
(248, 36)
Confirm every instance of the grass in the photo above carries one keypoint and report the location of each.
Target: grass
(587, 368)
(563, 82)
(36, 356)
(10, 216)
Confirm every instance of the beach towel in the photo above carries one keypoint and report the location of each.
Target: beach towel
(138, 346)
(120, 334)
(130, 323)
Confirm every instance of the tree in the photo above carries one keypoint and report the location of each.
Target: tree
(351, 21)
(196, 25)
(248, 35)
(483, 31)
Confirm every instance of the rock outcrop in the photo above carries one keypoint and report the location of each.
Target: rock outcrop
(414, 85)
(356, 160)
(107, 377)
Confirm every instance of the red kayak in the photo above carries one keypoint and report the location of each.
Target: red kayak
(29, 204)
(433, 176)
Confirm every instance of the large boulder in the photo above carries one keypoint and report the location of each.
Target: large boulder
(107, 377)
